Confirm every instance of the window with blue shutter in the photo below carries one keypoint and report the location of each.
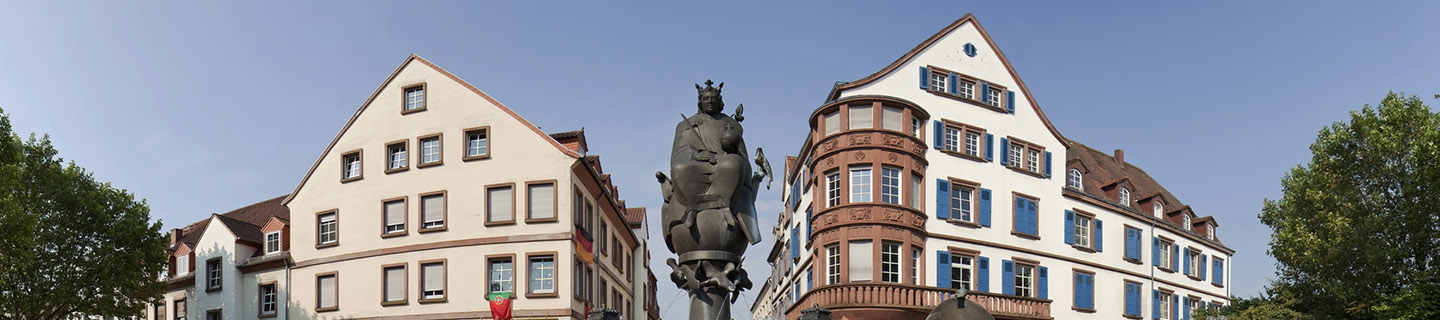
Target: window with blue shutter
(942, 269)
(1010, 101)
(1187, 261)
(1185, 313)
(984, 207)
(1174, 304)
(1219, 270)
(1069, 227)
(1084, 290)
(1174, 252)
(939, 141)
(810, 279)
(924, 78)
(953, 80)
(1005, 152)
(984, 92)
(1155, 303)
(1132, 299)
(1007, 277)
(983, 283)
(1099, 236)
(795, 243)
(989, 147)
(808, 212)
(1132, 243)
(1047, 164)
(942, 199)
(1155, 251)
(1044, 283)
(1203, 261)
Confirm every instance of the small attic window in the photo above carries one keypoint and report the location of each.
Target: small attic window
(1159, 208)
(1187, 222)
(272, 242)
(1210, 231)
(414, 98)
(1124, 197)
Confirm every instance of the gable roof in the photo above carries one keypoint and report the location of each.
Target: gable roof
(416, 58)
(1103, 167)
(968, 18)
(240, 221)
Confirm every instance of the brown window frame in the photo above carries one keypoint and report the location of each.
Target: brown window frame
(175, 307)
(403, 143)
(1195, 254)
(974, 201)
(404, 215)
(514, 287)
(511, 221)
(554, 201)
(1141, 297)
(260, 300)
(974, 265)
(1015, 216)
(960, 141)
(489, 143)
(555, 274)
(404, 288)
(218, 277)
(444, 211)
(975, 97)
(424, 98)
(1089, 231)
(318, 216)
(444, 285)
(319, 276)
(360, 158)
(1075, 291)
(439, 150)
(1165, 244)
(1034, 276)
(1025, 148)
(159, 311)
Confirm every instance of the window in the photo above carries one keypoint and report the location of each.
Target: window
(861, 116)
(540, 202)
(1032, 160)
(890, 118)
(414, 98)
(180, 309)
(432, 281)
(917, 187)
(1084, 284)
(915, 265)
(1124, 198)
(889, 262)
(1132, 298)
(394, 217)
(861, 260)
(579, 280)
(477, 143)
(327, 294)
(395, 283)
(1210, 231)
(860, 184)
(952, 139)
(1187, 224)
(1082, 230)
(182, 264)
(160, 312)
(964, 139)
(601, 235)
(396, 156)
(832, 264)
(350, 166)
(542, 274)
(832, 188)
(1024, 280)
(1166, 254)
(966, 89)
(1166, 309)
(327, 233)
(1157, 208)
(890, 185)
(1192, 259)
(1026, 156)
(962, 269)
(962, 200)
(1027, 211)
(430, 150)
(1073, 179)
(499, 201)
(1132, 243)
(1015, 152)
(938, 81)
(502, 275)
(433, 211)
(272, 242)
(213, 273)
(915, 125)
(992, 96)
(214, 315)
(832, 123)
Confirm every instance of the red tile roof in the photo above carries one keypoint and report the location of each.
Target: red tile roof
(244, 222)
(1104, 170)
(634, 216)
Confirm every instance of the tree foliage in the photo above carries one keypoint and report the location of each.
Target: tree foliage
(1357, 230)
(70, 246)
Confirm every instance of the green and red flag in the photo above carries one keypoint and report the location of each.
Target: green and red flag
(499, 305)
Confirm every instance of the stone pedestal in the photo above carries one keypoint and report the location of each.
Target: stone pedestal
(815, 313)
(603, 314)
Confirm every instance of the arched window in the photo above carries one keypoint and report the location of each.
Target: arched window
(1074, 179)
(1124, 197)
(1159, 208)
(1210, 228)
(1187, 222)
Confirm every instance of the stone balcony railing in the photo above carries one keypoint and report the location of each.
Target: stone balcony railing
(839, 297)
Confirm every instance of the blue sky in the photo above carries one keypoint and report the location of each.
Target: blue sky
(205, 107)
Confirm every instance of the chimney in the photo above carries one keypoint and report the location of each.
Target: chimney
(1120, 156)
(175, 235)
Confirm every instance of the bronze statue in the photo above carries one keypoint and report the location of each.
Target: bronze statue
(708, 217)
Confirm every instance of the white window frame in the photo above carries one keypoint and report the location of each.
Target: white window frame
(915, 253)
(433, 294)
(1165, 306)
(1082, 230)
(182, 264)
(1032, 160)
(915, 125)
(496, 272)
(1194, 262)
(1158, 208)
(962, 202)
(1210, 231)
(414, 98)
(268, 300)
(1074, 179)
(537, 274)
(395, 226)
(890, 185)
(350, 165)
(890, 262)
(397, 155)
(1124, 197)
(334, 232)
(272, 242)
(972, 143)
(952, 139)
(1024, 281)
(1187, 221)
(477, 143)
(966, 89)
(861, 178)
(832, 263)
(1165, 254)
(832, 189)
(430, 153)
(994, 98)
(939, 81)
(962, 266)
(214, 273)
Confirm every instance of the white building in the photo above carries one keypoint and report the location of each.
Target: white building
(229, 266)
(940, 172)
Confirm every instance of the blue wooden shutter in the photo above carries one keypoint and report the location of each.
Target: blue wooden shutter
(1010, 101)
(808, 212)
(1204, 259)
(1007, 277)
(1099, 236)
(983, 283)
(810, 279)
(1174, 304)
(953, 80)
(1034, 221)
(942, 269)
(1069, 227)
(939, 141)
(1079, 283)
(1219, 270)
(1047, 164)
(1132, 299)
(1155, 303)
(1090, 291)
(795, 243)
(989, 147)
(1187, 261)
(1174, 252)
(1132, 243)
(1186, 311)
(924, 78)
(1155, 251)
(1019, 212)
(1004, 151)
(1044, 283)
(942, 199)
(984, 93)
(984, 207)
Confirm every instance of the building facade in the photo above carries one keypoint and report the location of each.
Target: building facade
(940, 172)
(462, 197)
(229, 266)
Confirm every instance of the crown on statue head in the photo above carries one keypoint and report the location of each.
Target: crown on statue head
(709, 88)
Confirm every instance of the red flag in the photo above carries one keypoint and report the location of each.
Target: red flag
(500, 308)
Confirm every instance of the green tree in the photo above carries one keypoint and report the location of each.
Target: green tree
(1259, 308)
(70, 246)
(1357, 230)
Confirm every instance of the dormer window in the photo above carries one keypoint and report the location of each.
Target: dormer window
(1187, 222)
(1073, 179)
(272, 242)
(182, 265)
(1210, 231)
(1159, 209)
(1124, 198)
